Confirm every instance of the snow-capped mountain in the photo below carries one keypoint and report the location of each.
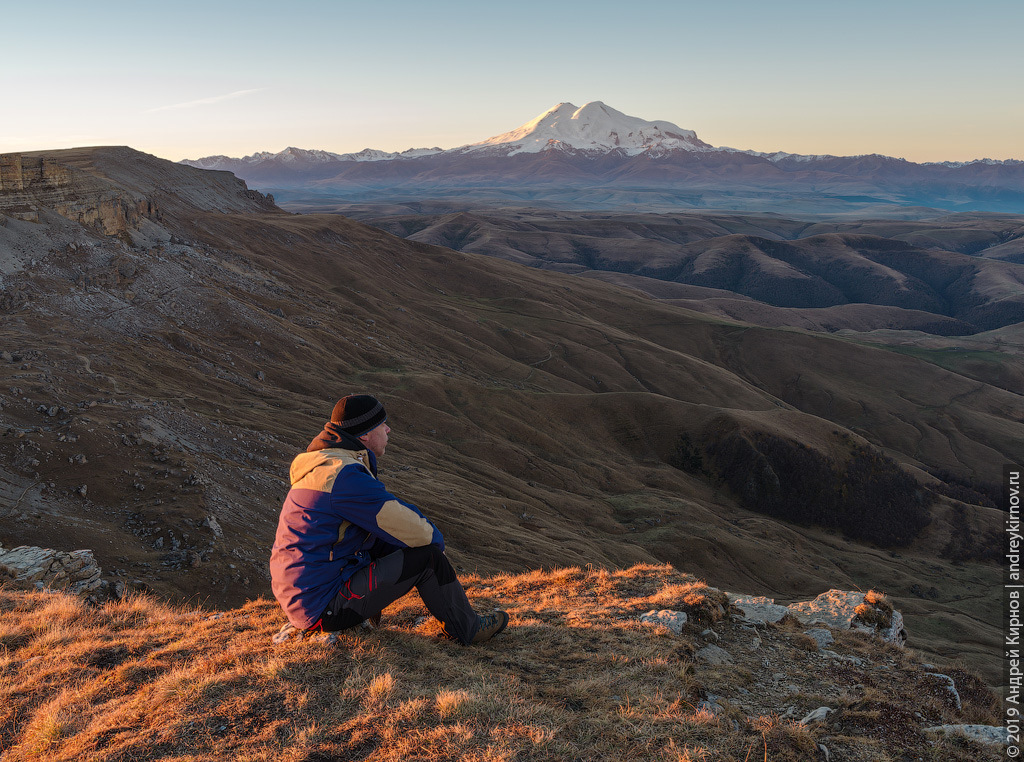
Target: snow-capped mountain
(304, 157)
(373, 154)
(594, 127)
(598, 157)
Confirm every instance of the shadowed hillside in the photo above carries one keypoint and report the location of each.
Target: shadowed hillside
(952, 275)
(157, 382)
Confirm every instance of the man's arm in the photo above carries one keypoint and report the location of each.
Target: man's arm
(364, 501)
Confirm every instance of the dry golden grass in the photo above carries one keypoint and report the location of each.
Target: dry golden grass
(575, 677)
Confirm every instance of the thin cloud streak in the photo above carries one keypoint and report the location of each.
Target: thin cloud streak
(205, 101)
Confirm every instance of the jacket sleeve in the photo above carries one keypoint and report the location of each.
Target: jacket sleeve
(364, 501)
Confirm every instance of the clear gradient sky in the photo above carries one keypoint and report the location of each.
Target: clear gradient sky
(925, 80)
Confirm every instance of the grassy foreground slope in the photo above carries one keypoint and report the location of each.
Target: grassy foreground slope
(575, 677)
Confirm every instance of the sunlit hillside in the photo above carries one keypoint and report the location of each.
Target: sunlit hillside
(576, 676)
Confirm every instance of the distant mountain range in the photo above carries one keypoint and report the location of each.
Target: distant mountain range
(597, 157)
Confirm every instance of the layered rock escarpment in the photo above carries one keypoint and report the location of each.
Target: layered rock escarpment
(115, 189)
(28, 183)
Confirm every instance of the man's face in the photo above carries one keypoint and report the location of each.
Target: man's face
(376, 440)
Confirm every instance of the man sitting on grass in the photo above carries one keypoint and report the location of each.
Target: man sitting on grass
(346, 547)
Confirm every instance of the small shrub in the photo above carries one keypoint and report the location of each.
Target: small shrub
(876, 610)
(687, 456)
(785, 740)
(967, 489)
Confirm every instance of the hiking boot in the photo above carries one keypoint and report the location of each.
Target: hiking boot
(371, 623)
(286, 633)
(490, 625)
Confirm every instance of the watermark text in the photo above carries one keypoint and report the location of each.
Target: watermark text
(1013, 589)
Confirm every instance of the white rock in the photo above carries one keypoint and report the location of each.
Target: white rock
(818, 715)
(983, 733)
(26, 563)
(837, 608)
(674, 620)
(822, 636)
(214, 525)
(757, 608)
(849, 658)
(32, 567)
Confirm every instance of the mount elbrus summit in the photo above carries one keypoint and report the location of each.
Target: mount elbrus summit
(595, 157)
(171, 339)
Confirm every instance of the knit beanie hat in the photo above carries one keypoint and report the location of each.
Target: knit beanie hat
(358, 414)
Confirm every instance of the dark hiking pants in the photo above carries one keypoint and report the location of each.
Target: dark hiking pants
(387, 579)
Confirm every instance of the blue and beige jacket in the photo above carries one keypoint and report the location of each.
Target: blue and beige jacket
(336, 519)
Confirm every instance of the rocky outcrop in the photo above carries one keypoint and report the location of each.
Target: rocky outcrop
(29, 183)
(44, 568)
(842, 609)
(114, 189)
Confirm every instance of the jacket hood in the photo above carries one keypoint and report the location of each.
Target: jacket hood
(335, 437)
(306, 462)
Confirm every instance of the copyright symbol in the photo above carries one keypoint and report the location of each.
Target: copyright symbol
(1013, 751)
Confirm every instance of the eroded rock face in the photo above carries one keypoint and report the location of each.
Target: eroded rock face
(28, 183)
(114, 190)
(845, 609)
(29, 566)
(19, 175)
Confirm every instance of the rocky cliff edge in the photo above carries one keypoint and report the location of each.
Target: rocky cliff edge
(113, 189)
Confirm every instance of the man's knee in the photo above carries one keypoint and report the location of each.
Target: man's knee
(340, 619)
(416, 560)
